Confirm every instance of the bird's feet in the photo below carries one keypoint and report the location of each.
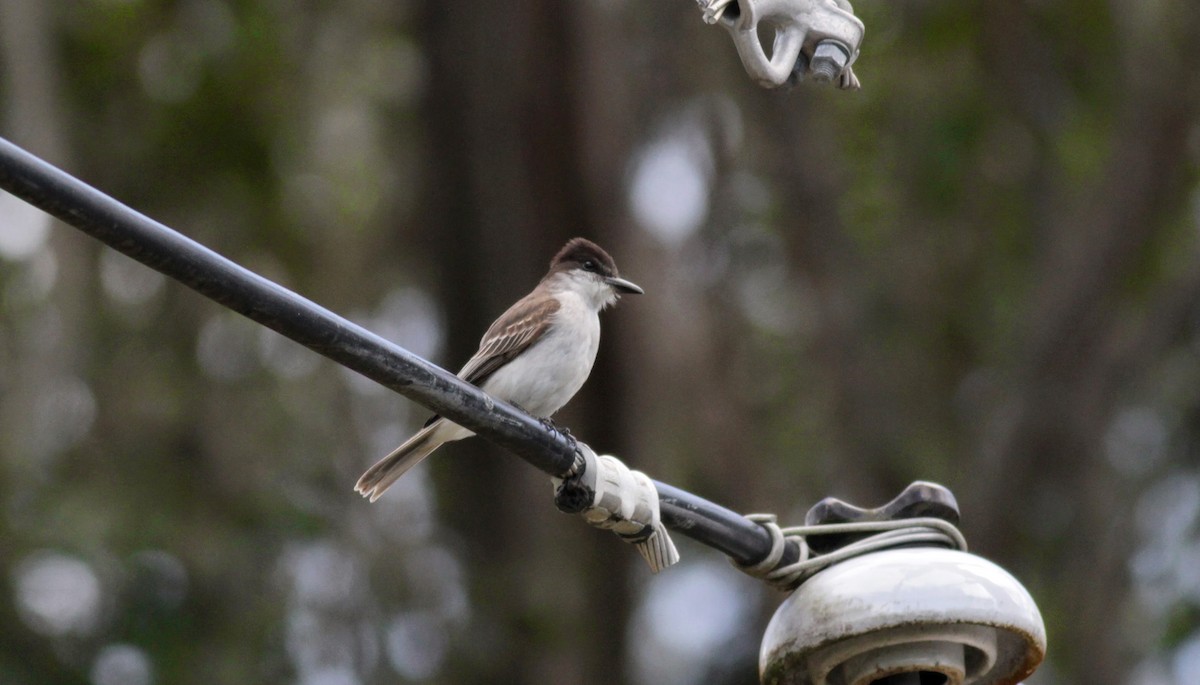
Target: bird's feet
(561, 430)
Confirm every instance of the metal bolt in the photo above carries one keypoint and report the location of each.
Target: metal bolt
(829, 59)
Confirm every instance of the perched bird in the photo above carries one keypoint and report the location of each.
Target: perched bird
(536, 355)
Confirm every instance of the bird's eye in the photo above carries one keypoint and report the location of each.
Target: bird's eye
(590, 265)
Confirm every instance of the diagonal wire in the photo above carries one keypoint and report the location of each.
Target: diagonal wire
(348, 344)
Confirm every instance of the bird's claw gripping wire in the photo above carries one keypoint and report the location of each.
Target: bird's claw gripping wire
(552, 426)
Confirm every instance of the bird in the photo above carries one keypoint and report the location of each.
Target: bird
(536, 356)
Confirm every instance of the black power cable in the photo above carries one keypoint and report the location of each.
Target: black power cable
(283, 311)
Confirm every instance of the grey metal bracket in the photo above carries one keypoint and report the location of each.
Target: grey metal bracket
(815, 40)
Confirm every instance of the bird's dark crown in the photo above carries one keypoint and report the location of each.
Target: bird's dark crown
(580, 253)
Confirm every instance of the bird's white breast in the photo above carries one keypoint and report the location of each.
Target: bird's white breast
(547, 375)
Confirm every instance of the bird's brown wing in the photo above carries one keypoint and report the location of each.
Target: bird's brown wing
(515, 331)
(521, 326)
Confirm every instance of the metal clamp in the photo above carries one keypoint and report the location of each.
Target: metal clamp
(814, 39)
(610, 495)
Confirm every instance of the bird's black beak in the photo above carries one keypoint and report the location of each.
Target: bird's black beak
(624, 286)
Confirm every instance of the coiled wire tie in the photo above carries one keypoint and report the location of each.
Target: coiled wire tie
(886, 534)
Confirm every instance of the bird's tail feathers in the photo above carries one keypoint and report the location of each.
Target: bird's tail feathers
(386, 471)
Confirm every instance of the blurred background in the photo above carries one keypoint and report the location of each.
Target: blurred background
(979, 270)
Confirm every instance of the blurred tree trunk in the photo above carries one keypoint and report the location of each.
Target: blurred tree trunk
(510, 145)
(1079, 345)
(32, 117)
